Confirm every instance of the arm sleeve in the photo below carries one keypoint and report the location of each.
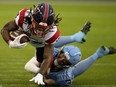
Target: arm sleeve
(52, 36)
(20, 17)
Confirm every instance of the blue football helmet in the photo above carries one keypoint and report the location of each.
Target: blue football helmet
(72, 53)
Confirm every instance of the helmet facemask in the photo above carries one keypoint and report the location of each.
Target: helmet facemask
(62, 61)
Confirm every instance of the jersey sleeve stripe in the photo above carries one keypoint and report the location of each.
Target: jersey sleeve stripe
(54, 37)
(21, 17)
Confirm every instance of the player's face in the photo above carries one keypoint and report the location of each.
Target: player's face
(62, 60)
(39, 29)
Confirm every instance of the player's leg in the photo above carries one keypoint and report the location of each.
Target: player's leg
(79, 37)
(83, 65)
(32, 65)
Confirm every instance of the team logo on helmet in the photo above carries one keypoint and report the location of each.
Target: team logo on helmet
(43, 15)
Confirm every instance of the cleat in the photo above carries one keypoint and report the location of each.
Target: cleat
(86, 27)
(112, 50)
(102, 51)
(83, 40)
(80, 36)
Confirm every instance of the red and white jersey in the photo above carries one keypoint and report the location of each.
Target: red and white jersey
(49, 38)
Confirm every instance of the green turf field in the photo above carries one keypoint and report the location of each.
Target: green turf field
(75, 14)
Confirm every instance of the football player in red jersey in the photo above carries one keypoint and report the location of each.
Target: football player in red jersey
(39, 25)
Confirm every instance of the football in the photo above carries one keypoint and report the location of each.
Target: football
(16, 33)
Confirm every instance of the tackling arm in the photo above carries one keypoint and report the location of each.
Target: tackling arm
(48, 50)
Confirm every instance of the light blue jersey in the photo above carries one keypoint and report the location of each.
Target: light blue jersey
(64, 77)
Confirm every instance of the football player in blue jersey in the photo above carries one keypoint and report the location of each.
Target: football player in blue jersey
(66, 65)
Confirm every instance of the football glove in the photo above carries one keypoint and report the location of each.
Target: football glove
(16, 43)
(38, 79)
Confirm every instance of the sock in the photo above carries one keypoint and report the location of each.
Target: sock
(78, 37)
(102, 51)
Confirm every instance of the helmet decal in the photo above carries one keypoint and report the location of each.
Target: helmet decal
(46, 11)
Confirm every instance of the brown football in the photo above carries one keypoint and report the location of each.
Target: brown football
(16, 33)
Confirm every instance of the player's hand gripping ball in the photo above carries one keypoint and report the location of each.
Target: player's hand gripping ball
(24, 38)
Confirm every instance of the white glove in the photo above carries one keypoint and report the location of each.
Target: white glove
(16, 43)
(38, 79)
